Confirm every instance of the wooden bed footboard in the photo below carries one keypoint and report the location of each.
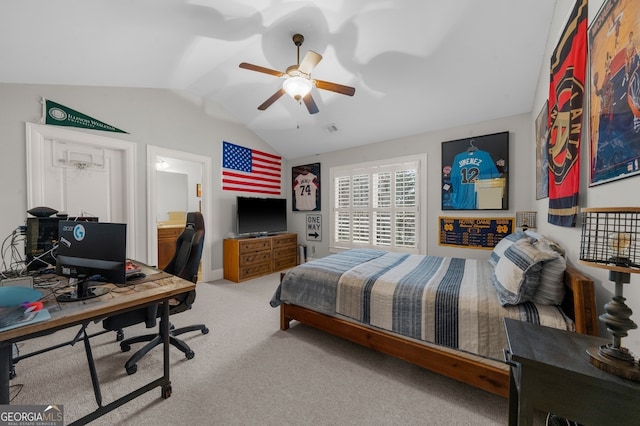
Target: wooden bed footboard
(472, 370)
(448, 363)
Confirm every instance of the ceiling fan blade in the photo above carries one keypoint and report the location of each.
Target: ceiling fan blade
(310, 104)
(309, 62)
(334, 87)
(266, 104)
(258, 68)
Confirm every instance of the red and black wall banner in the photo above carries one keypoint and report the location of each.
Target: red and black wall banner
(566, 99)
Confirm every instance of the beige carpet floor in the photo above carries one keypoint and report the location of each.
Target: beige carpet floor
(248, 372)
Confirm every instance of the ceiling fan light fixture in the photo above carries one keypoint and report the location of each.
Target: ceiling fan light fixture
(297, 87)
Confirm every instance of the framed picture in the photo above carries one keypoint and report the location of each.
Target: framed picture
(306, 187)
(542, 155)
(475, 173)
(614, 95)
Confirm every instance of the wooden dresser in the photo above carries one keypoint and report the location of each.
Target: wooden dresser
(246, 258)
(167, 236)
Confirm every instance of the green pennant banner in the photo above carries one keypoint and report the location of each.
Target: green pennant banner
(60, 115)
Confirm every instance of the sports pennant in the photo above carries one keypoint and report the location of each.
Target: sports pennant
(60, 115)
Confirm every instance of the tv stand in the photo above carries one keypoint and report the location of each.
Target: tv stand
(251, 257)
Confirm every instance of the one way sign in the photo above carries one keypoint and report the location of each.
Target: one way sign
(314, 227)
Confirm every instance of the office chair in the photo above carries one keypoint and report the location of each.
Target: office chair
(184, 264)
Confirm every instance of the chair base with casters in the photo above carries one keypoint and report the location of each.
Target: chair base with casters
(184, 264)
(155, 340)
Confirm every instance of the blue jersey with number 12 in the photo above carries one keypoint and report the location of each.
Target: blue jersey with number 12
(468, 167)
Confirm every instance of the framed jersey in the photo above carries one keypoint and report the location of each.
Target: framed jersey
(475, 173)
(306, 187)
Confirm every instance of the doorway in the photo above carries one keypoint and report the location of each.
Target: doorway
(180, 163)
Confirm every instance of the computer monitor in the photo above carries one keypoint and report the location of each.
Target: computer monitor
(86, 249)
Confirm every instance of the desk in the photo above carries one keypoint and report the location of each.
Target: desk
(156, 288)
(550, 371)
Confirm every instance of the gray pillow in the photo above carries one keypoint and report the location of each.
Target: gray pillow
(516, 276)
(503, 245)
(551, 289)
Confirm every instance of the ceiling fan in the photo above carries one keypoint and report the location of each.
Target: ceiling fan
(298, 82)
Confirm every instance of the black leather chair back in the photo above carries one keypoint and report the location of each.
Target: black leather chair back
(189, 245)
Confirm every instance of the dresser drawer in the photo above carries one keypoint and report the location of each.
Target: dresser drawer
(288, 252)
(256, 257)
(254, 270)
(284, 263)
(285, 240)
(248, 246)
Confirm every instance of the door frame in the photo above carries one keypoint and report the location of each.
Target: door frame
(35, 137)
(153, 152)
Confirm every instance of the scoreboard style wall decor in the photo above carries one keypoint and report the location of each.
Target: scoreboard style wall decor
(474, 232)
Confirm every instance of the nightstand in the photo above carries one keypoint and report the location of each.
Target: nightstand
(551, 372)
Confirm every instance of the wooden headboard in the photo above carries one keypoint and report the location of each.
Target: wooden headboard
(580, 301)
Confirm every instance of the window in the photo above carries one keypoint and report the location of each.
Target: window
(377, 205)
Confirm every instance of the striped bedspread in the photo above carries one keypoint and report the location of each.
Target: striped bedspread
(443, 300)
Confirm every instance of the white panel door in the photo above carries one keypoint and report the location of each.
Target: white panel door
(82, 174)
(84, 180)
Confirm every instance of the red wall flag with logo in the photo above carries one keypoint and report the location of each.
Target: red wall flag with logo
(566, 96)
(250, 170)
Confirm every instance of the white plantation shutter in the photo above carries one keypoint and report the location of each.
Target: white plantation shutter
(342, 202)
(376, 205)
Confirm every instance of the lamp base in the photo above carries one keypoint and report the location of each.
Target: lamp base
(617, 361)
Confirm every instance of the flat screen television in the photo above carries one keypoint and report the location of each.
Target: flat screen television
(87, 249)
(261, 216)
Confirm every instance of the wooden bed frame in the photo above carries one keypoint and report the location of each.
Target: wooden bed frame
(476, 371)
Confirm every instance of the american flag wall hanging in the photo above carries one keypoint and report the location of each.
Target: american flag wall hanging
(250, 170)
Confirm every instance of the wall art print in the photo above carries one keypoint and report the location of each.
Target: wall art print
(614, 100)
(542, 158)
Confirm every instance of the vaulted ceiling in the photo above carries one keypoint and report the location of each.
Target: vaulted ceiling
(417, 65)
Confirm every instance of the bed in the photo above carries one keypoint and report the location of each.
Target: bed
(443, 314)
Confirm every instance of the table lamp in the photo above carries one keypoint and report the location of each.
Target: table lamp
(525, 220)
(609, 240)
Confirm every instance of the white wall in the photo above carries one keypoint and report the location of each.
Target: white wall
(193, 172)
(621, 193)
(152, 117)
(521, 167)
